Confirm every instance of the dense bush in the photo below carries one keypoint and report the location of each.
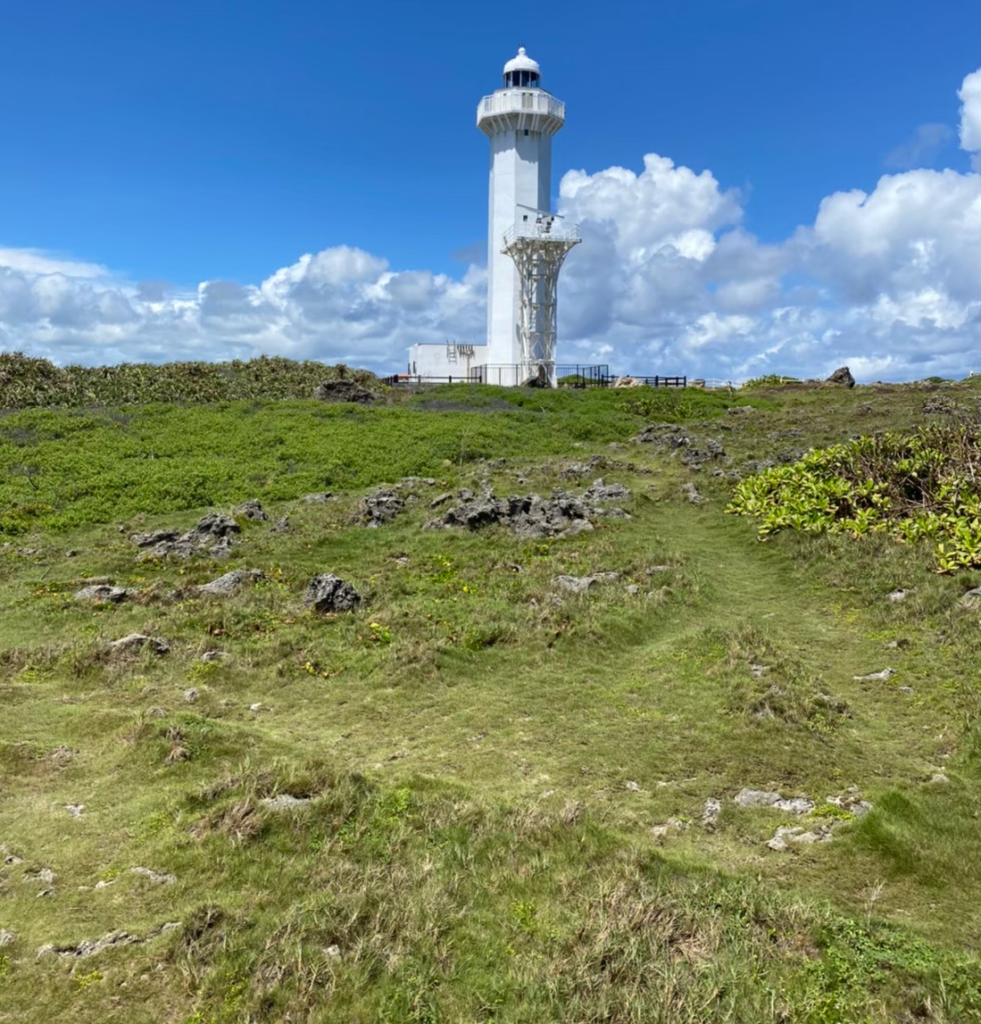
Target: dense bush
(27, 383)
(922, 485)
(771, 380)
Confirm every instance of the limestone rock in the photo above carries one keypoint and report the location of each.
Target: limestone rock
(787, 834)
(251, 509)
(284, 802)
(102, 593)
(230, 582)
(671, 825)
(690, 491)
(136, 642)
(842, 376)
(886, 673)
(563, 514)
(91, 947)
(43, 875)
(154, 877)
(579, 584)
(767, 798)
(380, 507)
(212, 533)
(329, 593)
(413, 483)
(9, 858)
(711, 812)
(600, 491)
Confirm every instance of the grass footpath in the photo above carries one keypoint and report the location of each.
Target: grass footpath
(479, 797)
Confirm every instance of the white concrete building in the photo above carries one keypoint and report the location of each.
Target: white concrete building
(453, 359)
(526, 243)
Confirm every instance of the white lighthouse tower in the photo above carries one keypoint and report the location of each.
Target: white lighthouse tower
(526, 243)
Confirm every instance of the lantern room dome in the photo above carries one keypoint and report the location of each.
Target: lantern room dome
(522, 72)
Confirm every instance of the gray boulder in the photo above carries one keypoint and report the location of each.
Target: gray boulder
(102, 593)
(284, 802)
(212, 533)
(230, 582)
(251, 509)
(561, 515)
(600, 491)
(216, 524)
(842, 376)
(154, 877)
(579, 584)
(380, 507)
(329, 593)
(711, 812)
(137, 642)
(765, 798)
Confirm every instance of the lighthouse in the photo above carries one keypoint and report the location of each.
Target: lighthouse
(526, 242)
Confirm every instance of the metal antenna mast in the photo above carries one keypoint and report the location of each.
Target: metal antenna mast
(539, 249)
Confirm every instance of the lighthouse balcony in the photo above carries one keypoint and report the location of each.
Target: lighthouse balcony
(508, 109)
(546, 227)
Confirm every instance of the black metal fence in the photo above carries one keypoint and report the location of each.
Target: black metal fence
(652, 382)
(408, 380)
(571, 375)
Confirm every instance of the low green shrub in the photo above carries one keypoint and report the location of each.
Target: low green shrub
(27, 383)
(916, 486)
(769, 380)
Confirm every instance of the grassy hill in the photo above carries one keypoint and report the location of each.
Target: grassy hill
(481, 795)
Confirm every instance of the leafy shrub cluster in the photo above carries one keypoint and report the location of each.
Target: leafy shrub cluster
(923, 485)
(27, 383)
(770, 380)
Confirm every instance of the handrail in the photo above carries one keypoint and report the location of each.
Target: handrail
(545, 227)
(527, 101)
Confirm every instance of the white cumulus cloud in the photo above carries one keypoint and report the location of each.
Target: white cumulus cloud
(970, 127)
(667, 280)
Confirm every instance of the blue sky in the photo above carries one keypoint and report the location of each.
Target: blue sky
(218, 141)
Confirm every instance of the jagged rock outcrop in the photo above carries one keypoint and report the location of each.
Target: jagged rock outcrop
(213, 534)
(329, 593)
(842, 376)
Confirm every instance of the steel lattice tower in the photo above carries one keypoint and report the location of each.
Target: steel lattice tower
(538, 251)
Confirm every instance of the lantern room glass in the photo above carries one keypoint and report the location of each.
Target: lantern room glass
(522, 79)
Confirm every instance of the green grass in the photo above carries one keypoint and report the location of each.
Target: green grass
(471, 849)
(62, 469)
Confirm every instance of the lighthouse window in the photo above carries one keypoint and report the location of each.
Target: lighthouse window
(521, 79)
